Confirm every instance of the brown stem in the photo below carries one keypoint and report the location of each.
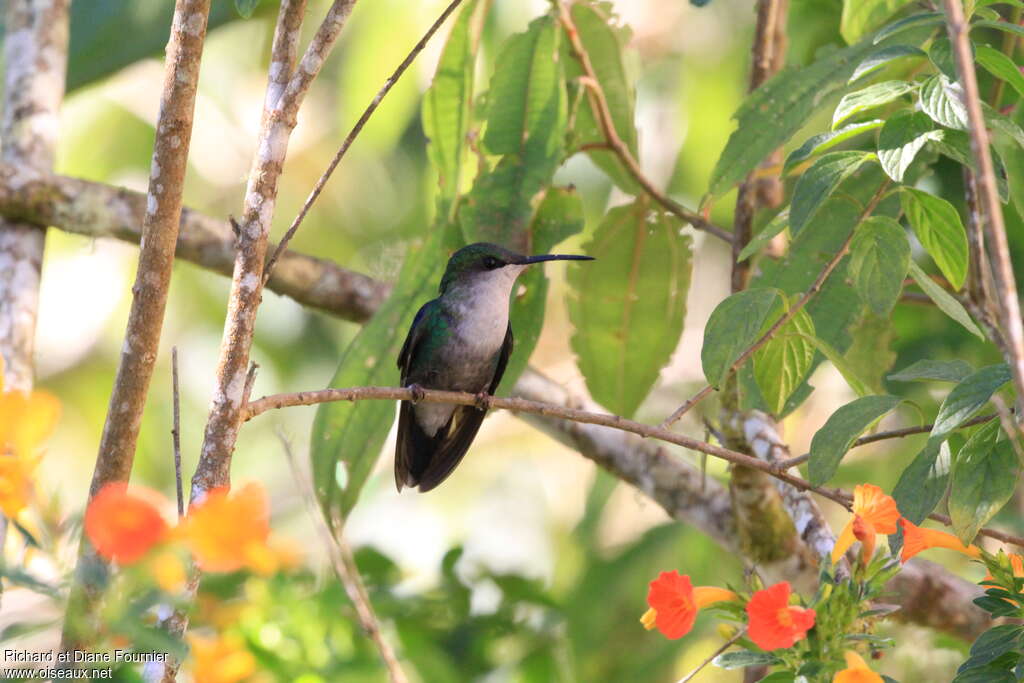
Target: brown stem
(788, 315)
(350, 138)
(603, 114)
(149, 293)
(176, 432)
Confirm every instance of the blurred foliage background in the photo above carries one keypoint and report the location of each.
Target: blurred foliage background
(528, 565)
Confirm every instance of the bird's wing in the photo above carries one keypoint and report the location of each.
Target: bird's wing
(427, 461)
(412, 442)
(412, 340)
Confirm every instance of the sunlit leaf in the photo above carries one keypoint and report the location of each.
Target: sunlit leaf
(914, 21)
(942, 100)
(833, 440)
(1000, 66)
(902, 137)
(765, 235)
(968, 397)
(859, 385)
(879, 260)
(868, 98)
(934, 370)
(882, 56)
(941, 55)
(863, 16)
(818, 183)
(627, 308)
(734, 325)
(783, 363)
(945, 302)
(825, 141)
(983, 479)
(937, 225)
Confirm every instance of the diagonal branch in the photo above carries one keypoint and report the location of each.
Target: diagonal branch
(149, 293)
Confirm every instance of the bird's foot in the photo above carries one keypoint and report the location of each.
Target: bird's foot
(417, 393)
(482, 401)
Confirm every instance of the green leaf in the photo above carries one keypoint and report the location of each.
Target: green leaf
(937, 225)
(968, 397)
(868, 98)
(870, 355)
(446, 106)
(765, 235)
(923, 483)
(826, 141)
(902, 137)
(1000, 66)
(995, 642)
(734, 326)
(942, 100)
(956, 145)
(882, 56)
(859, 386)
(744, 658)
(246, 7)
(347, 437)
(879, 260)
(628, 307)
(933, 370)
(941, 55)
(914, 21)
(946, 303)
(773, 113)
(984, 477)
(606, 41)
(1000, 25)
(1002, 123)
(860, 17)
(781, 365)
(819, 182)
(833, 440)
(559, 216)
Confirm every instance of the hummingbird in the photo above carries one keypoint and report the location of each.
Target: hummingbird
(460, 341)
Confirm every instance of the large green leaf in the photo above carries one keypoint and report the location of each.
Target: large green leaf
(734, 325)
(833, 440)
(968, 397)
(825, 141)
(774, 112)
(347, 437)
(819, 182)
(942, 100)
(764, 235)
(902, 137)
(935, 370)
(914, 21)
(525, 123)
(868, 98)
(446, 106)
(956, 145)
(1000, 66)
(606, 41)
(941, 55)
(943, 300)
(984, 478)
(559, 216)
(782, 364)
(870, 355)
(879, 260)
(863, 16)
(882, 56)
(923, 483)
(937, 225)
(628, 307)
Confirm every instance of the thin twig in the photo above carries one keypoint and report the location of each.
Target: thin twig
(176, 432)
(149, 293)
(519, 405)
(788, 315)
(350, 138)
(725, 646)
(988, 196)
(344, 564)
(602, 113)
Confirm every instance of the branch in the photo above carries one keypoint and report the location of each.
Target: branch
(603, 114)
(788, 315)
(520, 405)
(988, 198)
(149, 293)
(350, 138)
(93, 209)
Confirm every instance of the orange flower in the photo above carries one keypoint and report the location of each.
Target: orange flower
(16, 477)
(26, 419)
(916, 539)
(674, 603)
(228, 531)
(123, 525)
(774, 623)
(221, 659)
(856, 671)
(877, 514)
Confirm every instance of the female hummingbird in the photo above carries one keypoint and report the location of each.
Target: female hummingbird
(460, 341)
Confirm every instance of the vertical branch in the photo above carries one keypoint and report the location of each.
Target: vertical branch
(988, 199)
(768, 54)
(176, 432)
(279, 120)
(149, 293)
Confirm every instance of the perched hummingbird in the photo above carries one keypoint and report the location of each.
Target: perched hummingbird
(460, 341)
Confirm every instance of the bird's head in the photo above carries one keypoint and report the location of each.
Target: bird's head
(484, 262)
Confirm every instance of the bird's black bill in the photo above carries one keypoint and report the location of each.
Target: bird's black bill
(554, 257)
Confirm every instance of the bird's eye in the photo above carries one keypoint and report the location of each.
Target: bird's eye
(491, 263)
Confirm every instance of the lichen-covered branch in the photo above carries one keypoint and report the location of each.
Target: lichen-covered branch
(93, 209)
(149, 293)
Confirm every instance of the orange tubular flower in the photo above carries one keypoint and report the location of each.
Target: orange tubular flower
(856, 671)
(674, 603)
(916, 539)
(228, 531)
(772, 622)
(123, 525)
(874, 513)
(221, 660)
